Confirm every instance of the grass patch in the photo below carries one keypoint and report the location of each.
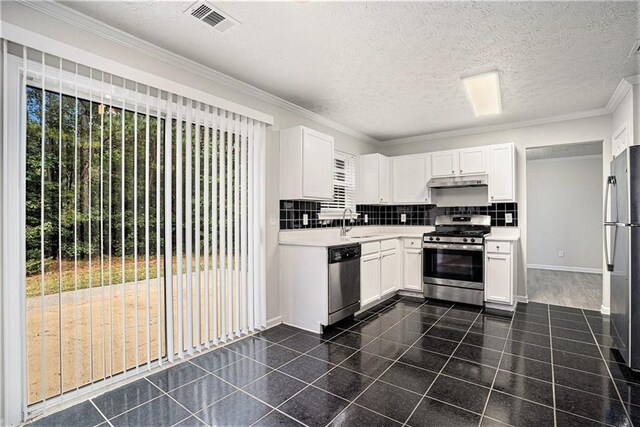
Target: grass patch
(95, 276)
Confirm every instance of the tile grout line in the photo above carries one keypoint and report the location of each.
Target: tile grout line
(397, 359)
(626, 412)
(486, 403)
(442, 374)
(442, 369)
(240, 389)
(553, 377)
(335, 365)
(101, 413)
(181, 405)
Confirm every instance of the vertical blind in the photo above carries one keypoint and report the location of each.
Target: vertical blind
(344, 184)
(143, 225)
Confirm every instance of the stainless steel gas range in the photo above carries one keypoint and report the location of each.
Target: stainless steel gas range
(453, 258)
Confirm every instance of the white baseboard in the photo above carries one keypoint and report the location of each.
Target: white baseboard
(410, 293)
(274, 321)
(605, 310)
(565, 268)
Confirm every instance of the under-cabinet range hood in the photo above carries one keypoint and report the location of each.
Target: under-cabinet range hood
(479, 180)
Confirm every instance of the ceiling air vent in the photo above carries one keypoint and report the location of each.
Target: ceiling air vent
(211, 15)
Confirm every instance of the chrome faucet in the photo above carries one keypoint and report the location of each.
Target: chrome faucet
(344, 229)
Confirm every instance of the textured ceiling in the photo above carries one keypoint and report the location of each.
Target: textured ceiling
(392, 69)
(564, 150)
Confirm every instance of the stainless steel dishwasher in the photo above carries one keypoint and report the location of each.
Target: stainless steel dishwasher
(344, 281)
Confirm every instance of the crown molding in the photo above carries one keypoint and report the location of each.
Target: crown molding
(621, 91)
(86, 23)
(634, 80)
(494, 128)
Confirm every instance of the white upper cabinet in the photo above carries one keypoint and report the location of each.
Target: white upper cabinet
(373, 183)
(306, 164)
(502, 179)
(409, 178)
(472, 161)
(445, 163)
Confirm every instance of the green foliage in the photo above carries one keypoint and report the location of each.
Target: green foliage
(81, 195)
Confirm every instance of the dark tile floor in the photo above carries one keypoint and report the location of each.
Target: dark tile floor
(403, 362)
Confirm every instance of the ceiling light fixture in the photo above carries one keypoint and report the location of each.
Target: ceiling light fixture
(483, 93)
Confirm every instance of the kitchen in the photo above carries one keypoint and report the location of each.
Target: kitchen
(355, 203)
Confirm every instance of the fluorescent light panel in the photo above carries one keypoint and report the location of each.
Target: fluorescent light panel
(483, 92)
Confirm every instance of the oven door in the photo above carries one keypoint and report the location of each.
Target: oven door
(453, 265)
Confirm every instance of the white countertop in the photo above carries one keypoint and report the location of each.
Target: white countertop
(325, 237)
(331, 236)
(511, 234)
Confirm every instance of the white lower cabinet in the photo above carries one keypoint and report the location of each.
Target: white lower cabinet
(412, 265)
(379, 270)
(369, 278)
(389, 271)
(500, 267)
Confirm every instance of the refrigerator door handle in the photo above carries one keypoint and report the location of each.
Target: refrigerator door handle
(614, 231)
(610, 181)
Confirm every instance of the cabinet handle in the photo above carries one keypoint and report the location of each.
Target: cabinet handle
(492, 197)
(453, 171)
(460, 170)
(497, 247)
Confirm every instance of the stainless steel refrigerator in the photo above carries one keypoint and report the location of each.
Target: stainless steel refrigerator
(622, 250)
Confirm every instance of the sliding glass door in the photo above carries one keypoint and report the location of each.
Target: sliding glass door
(142, 234)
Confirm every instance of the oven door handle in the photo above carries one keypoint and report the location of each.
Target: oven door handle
(455, 246)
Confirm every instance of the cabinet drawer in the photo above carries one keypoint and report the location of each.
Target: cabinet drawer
(413, 243)
(370, 248)
(386, 245)
(499, 247)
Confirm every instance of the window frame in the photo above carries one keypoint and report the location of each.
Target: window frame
(335, 208)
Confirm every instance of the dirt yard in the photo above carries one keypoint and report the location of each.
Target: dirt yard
(97, 346)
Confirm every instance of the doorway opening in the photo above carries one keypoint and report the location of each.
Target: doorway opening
(564, 225)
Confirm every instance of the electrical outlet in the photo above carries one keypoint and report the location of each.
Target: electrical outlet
(272, 220)
(561, 254)
(366, 218)
(305, 219)
(403, 217)
(508, 218)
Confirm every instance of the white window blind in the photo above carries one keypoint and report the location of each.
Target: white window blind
(344, 185)
(142, 232)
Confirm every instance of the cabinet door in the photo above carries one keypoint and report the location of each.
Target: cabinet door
(369, 279)
(389, 272)
(368, 182)
(502, 174)
(383, 179)
(317, 166)
(410, 179)
(444, 163)
(412, 261)
(498, 278)
(472, 161)
(620, 139)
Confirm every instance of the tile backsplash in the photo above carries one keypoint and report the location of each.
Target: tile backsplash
(293, 211)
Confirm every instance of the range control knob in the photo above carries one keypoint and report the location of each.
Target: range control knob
(464, 240)
(431, 238)
(438, 239)
(473, 240)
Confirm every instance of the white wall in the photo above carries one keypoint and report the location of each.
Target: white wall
(564, 199)
(565, 132)
(46, 25)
